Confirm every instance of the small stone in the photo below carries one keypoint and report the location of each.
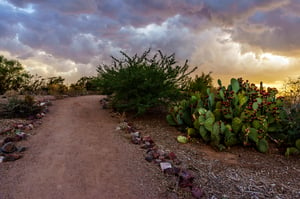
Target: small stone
(135, 140)
(22, 135)
(165, 165)
(172, 171)
(156, 155)
(149, 158)
(21, 149)
(147, 145)
(9, 147)
(136, 134)
(172, 156)
(169, 171)
(197, 192)
(26, 128)
(31, 126)
(131, 129)
(148, 139)
(43, 103)
(185, 179)
(8, 139)
(12, 139)
(11, 157)
(20, 126)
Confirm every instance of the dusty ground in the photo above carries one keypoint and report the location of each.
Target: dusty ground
(77, 153)
(237, 173)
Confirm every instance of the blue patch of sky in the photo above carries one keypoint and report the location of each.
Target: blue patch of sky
(258, 17)
(4, 5)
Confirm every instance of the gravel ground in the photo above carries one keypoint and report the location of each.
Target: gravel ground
(237, 173)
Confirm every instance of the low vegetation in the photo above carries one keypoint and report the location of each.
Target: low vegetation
(20, 108)
(140, 83)
(239, 114)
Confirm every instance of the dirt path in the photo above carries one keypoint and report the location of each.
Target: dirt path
(77, 154)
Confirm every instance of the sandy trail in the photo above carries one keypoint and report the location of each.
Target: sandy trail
(77, 154)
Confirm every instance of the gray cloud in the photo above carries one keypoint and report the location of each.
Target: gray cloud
(214, 34)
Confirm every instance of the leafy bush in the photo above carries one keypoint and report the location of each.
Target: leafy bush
(12, 75)
(85, 85)
(138, 83)
(200, 83)
(238, 114)
(21, 107)
(291, 137)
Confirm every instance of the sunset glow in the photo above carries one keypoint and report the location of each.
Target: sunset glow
(275, 59)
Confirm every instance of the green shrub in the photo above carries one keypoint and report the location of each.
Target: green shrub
(12, 75)
(21, 107)
(292, 137)
(200, 83)
(139, 83)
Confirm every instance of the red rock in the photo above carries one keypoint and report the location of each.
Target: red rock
(186, 179)
(197, 192)
(172, 155)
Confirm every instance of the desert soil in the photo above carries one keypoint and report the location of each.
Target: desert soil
(77, 153)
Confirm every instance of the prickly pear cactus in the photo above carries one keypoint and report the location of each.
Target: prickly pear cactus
(263, 145)
(240, 113)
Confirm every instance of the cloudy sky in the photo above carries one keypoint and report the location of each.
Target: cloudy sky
(254, 39)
